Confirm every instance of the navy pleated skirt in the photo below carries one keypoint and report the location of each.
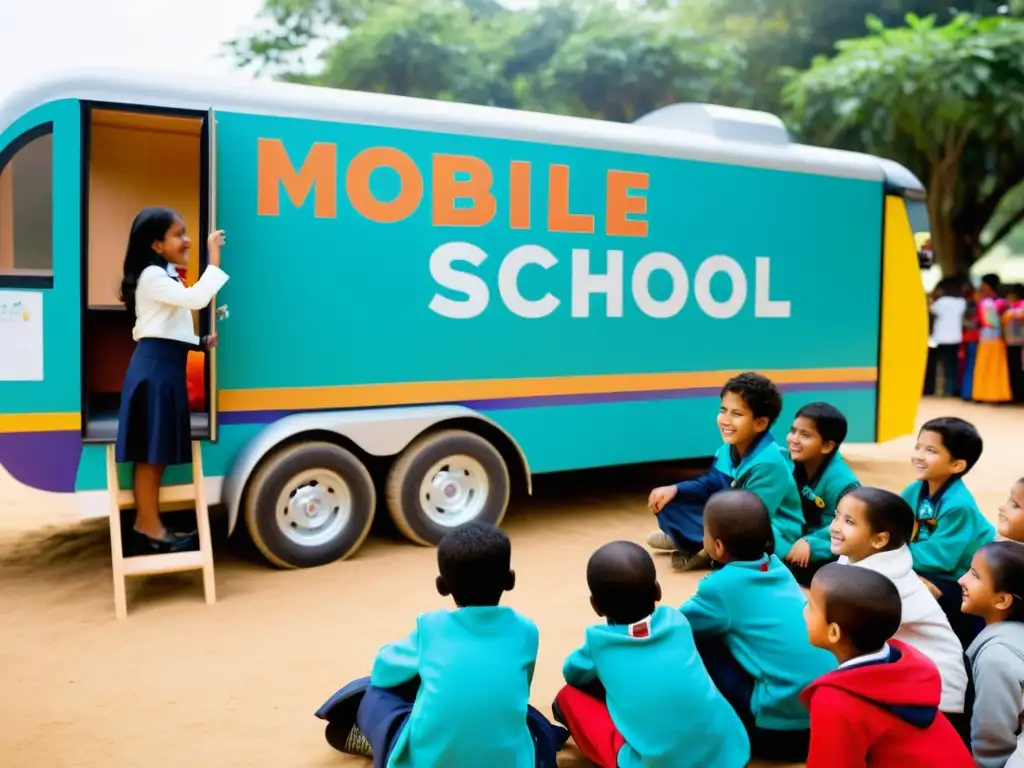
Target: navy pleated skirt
(154, 426)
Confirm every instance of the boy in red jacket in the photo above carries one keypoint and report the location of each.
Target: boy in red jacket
(880, 709)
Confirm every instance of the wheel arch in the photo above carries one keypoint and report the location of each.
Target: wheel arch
(376, 433)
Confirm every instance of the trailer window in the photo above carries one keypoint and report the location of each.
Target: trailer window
(26, 210)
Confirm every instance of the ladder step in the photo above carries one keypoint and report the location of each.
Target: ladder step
(191, 496)
(169, 494)
(175, 562)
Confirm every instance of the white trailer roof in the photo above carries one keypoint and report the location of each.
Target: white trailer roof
(690, 131)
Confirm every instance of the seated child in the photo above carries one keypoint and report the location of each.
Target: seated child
(637, 693)
(455, 690)
(750, 458)
(880, 708)
(822, 477)
(950, 528)
(747, 619)
(1010, 523)
(871, 530)
(992, 589)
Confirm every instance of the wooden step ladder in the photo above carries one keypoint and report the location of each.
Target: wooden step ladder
(171, 496)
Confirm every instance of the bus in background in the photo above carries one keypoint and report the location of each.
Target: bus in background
(468, 296)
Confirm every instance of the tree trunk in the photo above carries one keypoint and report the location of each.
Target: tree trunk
(941, 187)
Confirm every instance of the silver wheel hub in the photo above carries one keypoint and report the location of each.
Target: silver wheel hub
(314, 507)
(454, 491)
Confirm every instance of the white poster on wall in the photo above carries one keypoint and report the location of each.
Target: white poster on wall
(21, 336)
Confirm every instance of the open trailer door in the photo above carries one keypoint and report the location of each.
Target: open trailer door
(210, 213)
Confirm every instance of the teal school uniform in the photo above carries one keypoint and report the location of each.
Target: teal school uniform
(819, 497)
(659, 695)
(949, 529)
(765, 472)
(756, 608)
(476, 666)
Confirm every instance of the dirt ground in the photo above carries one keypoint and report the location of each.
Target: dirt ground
(236, 684)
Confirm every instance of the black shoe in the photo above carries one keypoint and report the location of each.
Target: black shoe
(142, 544)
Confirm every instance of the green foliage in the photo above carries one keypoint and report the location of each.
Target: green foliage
(935, 85)
(947, 101)
(443, 49)
(620, 65)
(602, 59)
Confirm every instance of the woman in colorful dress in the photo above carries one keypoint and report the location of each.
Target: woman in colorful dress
(991, 373)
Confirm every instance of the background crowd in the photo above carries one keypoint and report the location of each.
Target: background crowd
(976, 345)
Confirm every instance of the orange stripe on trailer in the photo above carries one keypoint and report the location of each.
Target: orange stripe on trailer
(40, 422)
(412, 393)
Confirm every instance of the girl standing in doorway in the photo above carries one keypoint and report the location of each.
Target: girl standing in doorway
(154, 427)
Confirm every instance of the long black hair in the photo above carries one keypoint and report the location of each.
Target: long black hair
(150, 226)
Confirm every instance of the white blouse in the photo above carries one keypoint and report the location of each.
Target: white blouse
(164, 306)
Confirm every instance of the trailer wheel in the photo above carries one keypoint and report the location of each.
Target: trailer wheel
(309, 504)
(443, 480)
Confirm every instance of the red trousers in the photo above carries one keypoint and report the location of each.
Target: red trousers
(590, 726)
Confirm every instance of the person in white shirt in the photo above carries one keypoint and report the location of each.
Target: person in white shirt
(154, 425)
(871, 530)
(947, 312)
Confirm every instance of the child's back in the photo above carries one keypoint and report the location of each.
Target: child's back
(882, 714)
(659, 694)
(880, 708)
(455, 691)
(475, 665)
(637, 694)
(757, 608)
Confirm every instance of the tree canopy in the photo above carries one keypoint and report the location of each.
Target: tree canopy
(935, 87)
(946, 101)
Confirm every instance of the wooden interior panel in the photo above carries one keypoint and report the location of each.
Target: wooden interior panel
(136, 160)
(108, 348)
(7, 218)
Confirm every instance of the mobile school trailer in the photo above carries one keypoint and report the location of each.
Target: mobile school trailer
(473, 294)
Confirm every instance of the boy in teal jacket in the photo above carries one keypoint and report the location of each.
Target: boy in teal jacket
(637, 692)
(748, 621)
(949, 527)
(823, 478)
(750, 458)
(455, 691)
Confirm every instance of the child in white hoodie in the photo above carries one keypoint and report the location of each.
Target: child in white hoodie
(992, 589)
(871, 530)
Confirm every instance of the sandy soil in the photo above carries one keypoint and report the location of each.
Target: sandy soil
(236, 684)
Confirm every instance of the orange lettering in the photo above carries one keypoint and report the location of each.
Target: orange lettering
(357, 184)
(519, 195)
(621, 204)
(274, 169)
(448, 189)
(559, 218)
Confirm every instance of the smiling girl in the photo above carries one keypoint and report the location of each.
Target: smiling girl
(992, 590)
(1010, 523)
(154, 426)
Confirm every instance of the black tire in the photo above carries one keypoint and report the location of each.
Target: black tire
(408, 472)
(273, 477)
